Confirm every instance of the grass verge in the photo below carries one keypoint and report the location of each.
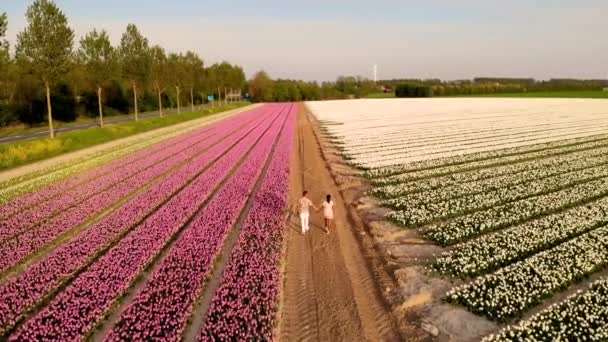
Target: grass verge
(23, 152)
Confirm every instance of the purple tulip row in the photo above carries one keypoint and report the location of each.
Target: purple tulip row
(84, 302)
(42, 212)
(16, 249)
(17, 205)
(24, 290)
(162, 308)
(243, 307)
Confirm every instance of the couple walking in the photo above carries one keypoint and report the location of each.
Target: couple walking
(303, 208)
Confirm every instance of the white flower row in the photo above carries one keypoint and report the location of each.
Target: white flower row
(414, 215)
(391, 158)
(492, 251)
(583, 316)
(461, 184)
(391, 145)
(515, 288)
(372, 139)
(459, 163)
(471, 225)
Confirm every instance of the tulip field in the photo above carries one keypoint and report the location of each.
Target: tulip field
(130, 239)
(514, 190)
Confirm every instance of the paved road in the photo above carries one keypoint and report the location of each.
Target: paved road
(93, 123)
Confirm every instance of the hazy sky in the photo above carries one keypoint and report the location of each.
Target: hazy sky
(318, 40)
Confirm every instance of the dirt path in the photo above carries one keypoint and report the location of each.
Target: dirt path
(329, 291)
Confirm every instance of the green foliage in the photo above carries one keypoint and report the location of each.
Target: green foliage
(22, 152)
(45, 45)
(159, 68)
(63, 104)
(134, 56)
(261, 87)
(413, 90)
(98, 57)
(3, 27)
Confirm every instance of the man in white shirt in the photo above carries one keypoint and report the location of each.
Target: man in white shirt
(303, 204)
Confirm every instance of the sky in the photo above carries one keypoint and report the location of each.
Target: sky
(322, 39)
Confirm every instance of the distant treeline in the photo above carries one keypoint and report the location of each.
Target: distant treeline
(487, 85)
(264, 89)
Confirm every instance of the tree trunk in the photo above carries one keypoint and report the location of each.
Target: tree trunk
(135, 101)
(160, 103)
(225, 98)
(179, 110)
(100, 106)
(49, 110)
(219, 96)
(192, 99)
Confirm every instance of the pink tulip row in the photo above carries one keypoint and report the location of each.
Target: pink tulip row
(15, 250)
(17, 205)
(77, 309)
(243, 307)
(44, 211)
(24, 290)
(161, 309)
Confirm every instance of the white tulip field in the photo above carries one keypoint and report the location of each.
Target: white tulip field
(515, 190)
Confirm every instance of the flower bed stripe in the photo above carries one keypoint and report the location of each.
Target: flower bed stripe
(161, 308)
(511, 290)
(38, 179)
(489, 252)
(412, 215)
(15, 250)
(70, 197)
(77, 309)
(583, 316)
(503, 174)
(244, 306)
(23, 291)
(443, 166)
(16, 205)
(471, 225)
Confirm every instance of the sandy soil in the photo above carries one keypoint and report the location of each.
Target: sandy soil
(332, 290)
(188, 125)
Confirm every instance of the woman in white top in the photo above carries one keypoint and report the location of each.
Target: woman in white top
(328, 212)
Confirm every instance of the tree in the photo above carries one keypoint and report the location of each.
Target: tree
(45, 46)
(5, 60)
(159, 67)
(177, 73)
(135, 61)
(3, 27)
(98, 57)
(260, 87)
(194, 70)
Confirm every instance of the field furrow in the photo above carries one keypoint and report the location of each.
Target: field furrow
(515, 288)
(583, 315)
(14, 250)
(25, 289)
(84, 169)
(161, 308)
(480, 222)
(493, 251)
(82, 304)
(244, 305)
(415, 215)
(455, 186)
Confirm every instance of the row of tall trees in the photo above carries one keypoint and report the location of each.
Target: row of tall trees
(45, 54)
